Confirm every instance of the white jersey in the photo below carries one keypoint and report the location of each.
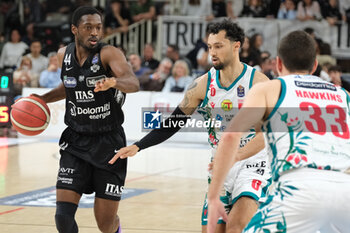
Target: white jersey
(222, 103)
(309, 126)
(247, 177)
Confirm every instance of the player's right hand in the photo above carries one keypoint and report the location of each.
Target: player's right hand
(125, 152)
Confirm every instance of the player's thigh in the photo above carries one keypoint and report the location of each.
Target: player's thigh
(65, 195)
(241, 213)
(108, 187)
(72, 179)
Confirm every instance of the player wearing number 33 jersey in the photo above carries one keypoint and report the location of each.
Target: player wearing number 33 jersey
(305, 121)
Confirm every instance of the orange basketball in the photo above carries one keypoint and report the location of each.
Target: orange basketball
(30, 115)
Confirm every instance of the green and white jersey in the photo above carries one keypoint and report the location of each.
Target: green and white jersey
(309, 126)
(222, 103)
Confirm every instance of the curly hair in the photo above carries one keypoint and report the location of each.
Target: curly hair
(233, 31)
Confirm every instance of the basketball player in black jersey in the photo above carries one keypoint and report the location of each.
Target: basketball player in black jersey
(95, 78)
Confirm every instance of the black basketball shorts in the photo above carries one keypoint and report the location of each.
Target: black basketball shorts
(84, 164)
(82, 177)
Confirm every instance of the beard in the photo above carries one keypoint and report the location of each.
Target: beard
(88, 48)
(219, 66)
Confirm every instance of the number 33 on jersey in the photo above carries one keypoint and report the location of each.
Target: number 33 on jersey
(307, 126)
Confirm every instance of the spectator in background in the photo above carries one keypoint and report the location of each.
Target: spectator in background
(12, 51)
(39, 61)
(201, 8)
(255, 9)
(173, 53)
(58, 10)
(148, 59)
(154, 81)
(24, 76)
(287, 10)
(199, 56)
(2, 41)
(142, 9)
(118, 19)
(234, 8)
(245, 53)
(308, 10)
(255, 44)
(51, 77)
(29, 36)
(331, 12)
(266, 67)
(180, 79)
(344, 7)
(219, 8)
(135, 62)
(335, 75)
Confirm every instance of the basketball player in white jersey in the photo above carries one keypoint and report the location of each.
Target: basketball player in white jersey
(306, 124)
(216, 95)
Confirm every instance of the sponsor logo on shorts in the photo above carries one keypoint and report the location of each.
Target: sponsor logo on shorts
(66, 171)
(114, 190)
(65, 180)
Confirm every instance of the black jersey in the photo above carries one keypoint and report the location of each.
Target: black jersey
(89, 112)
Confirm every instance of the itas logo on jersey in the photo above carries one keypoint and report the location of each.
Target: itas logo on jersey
(226, 105)
(69, 82)
(91, 81)
(84, 96)
(240, 91)
(151, 119)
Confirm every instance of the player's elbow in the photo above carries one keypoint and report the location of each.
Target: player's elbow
(229, 137)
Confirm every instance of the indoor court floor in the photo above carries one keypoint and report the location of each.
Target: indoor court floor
(165, 188)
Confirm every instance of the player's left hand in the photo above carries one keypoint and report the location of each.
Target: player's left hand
(125, 152)
(216, 209)
(104, 84)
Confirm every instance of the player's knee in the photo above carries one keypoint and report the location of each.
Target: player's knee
(108, 224)
(105, 226)
(64, 218)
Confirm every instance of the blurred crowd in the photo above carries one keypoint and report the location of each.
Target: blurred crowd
(33, 66)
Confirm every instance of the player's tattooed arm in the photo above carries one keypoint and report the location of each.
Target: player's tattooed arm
(125, 79)
(194, 95)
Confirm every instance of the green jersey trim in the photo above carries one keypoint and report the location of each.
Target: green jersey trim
(205, 101)
(234, 82)
(346, 93)
(245, 194)
(280, 99)
(251, 78)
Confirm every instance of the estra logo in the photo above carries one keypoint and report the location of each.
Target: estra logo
(226, 105)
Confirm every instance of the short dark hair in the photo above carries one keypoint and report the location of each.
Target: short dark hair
(233, 31)
(81, 11)
(335, 68)
(297, 51)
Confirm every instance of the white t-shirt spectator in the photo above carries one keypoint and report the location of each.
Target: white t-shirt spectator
(39, 63)
(11, 53)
